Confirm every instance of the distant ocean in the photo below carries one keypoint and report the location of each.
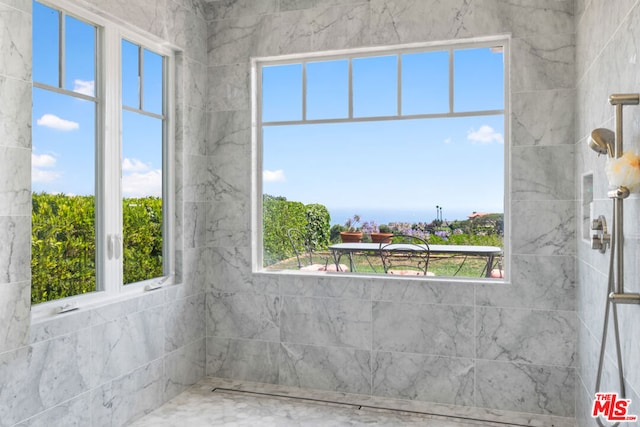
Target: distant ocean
(385, 216)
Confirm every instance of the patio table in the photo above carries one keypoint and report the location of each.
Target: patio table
(490, 252)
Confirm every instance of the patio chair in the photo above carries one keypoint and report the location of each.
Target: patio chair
(303, 249)
(406, 256)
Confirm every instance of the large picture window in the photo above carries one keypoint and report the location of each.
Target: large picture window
(100, 144)
(409, 141)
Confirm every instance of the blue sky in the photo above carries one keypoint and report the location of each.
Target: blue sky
(392, 167)
(63, 158)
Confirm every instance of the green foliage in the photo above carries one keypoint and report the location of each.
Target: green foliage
(63, 248)
(279, 215)
(142, 239)
(317, 226)
(334, 233)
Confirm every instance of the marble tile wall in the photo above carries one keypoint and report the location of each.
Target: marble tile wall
(508, 347)
(109, 364)
(606, 63)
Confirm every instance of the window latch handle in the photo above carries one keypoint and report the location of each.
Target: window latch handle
(118, 245)
(109, 246)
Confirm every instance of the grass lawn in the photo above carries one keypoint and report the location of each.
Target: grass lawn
(440, 265)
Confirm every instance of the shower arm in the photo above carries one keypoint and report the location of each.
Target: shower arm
(618, 195)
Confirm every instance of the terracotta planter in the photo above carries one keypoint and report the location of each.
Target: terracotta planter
(381, 237)
(350, 237)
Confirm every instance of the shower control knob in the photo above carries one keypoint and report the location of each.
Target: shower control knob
(596, 243)
(596, 224)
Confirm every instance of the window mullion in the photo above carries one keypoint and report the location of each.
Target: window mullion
(61, 47)
(110, 207)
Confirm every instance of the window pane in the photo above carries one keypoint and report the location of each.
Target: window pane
(425, 83)
(63, 177)
(130, 75)
(142, 197)
(479, 79)
(46, 48)
(152, 78)
(282, 93)
(328, 90)
(80, 62)
(375, 86)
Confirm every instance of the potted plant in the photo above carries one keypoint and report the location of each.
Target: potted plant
(352, 232)
(382, 234)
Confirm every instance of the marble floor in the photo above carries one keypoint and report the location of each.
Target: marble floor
(219, 402)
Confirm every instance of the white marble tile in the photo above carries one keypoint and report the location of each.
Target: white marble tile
(422, 377)
(183, 368)
(331, 287)
(539, 282)
(196, 271)
(184, 321)
(444, 330)
(543, 227)
(432, 292)
(543, 62)
(118, 310)
(195, 83)
(129, 397)
(526, 336)
(340, 27)
(234, 41)
(240, 315)
(15, 250)
(146, 15)
(15, 119)
(194, 225)
(525, 388)
(228, 87)
(61, 324)
(543, 117)
(325, 368)
(123, 344)
(247, 360)
(326, 322)
(15, 42)
(229, 134)
(41, 376)
(540, 173)
(73, 413)
(187, 30)
(15, 313)
(193, 129)
(228, 9)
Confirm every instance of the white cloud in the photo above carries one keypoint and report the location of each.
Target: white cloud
(42, 161)
(134, 165)
(142, 184)
(55, 122)
(39, 175)
(84, 87)
(273, 176)
(39, 161)
(485, 135)
(448, 140)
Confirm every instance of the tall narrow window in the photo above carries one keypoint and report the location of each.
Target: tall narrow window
(64, 151)
(98, 174)
(142, 142)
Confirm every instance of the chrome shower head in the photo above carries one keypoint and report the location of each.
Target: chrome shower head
(602, 141)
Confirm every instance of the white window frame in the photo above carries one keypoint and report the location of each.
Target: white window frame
(109, 222)
(256, 129)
